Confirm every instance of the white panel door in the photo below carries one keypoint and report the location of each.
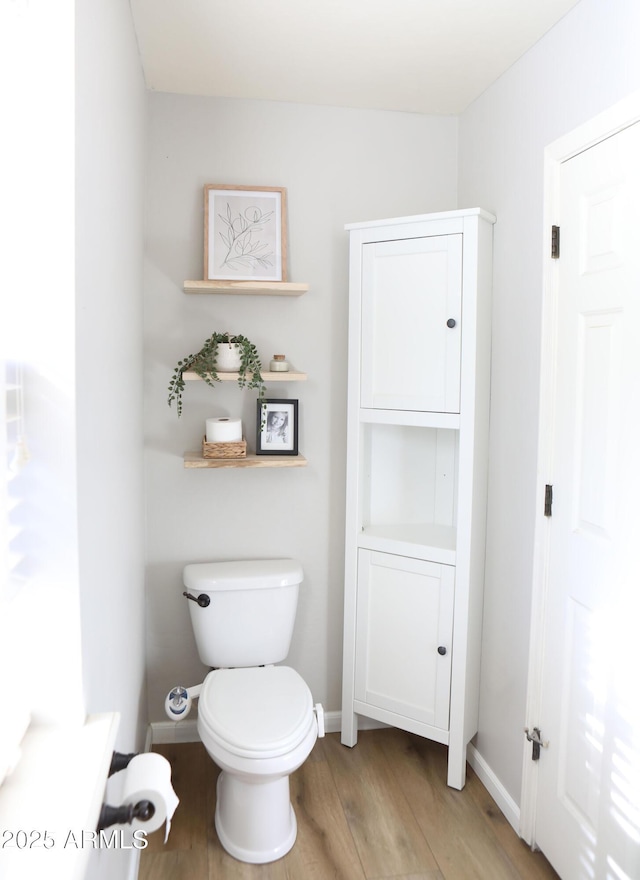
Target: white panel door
(588, 807)
(411, 315)
(404, 615)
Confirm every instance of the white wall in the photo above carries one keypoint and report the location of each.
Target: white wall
(110, 162)
(74, 225)
(111, 119)
(110, 167)
(73, 186)
(586, 63)
(339, 166)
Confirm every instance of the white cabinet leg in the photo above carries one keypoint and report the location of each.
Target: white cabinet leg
(457, 766)
(349, 736)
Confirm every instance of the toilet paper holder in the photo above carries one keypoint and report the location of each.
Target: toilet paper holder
(125, 814)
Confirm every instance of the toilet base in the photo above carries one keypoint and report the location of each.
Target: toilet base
(254, 820)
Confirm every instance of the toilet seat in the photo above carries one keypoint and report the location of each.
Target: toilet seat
(256, 712)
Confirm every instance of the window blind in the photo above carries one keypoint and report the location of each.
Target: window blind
(14, 456)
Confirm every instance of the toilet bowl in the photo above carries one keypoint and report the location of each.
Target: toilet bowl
(259, 726)
(256, 719)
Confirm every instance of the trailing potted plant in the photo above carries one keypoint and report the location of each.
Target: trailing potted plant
(222, 352)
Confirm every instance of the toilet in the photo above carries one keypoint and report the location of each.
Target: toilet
(256, 720)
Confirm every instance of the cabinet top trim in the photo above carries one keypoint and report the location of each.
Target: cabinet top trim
(421, 218)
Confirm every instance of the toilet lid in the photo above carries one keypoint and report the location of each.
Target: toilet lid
(259, 712)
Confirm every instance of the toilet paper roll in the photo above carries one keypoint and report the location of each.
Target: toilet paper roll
(148, 778)
(224, 430)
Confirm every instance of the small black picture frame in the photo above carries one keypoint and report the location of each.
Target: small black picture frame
(277, 427)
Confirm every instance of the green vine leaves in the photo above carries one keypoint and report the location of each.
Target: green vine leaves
(204, 364)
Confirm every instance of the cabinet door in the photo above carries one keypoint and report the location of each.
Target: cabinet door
(410, 354)
(404, 614)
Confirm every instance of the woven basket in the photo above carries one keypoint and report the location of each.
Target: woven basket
(227, 449)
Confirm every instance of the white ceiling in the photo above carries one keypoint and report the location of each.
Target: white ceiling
(422, 56)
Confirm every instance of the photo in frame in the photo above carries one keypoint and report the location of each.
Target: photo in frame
(245, 233)
(277, 427)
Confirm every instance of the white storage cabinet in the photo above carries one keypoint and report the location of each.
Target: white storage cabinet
(419, 349)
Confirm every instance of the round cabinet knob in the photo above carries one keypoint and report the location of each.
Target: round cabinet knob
(451, 322)
(442, 650)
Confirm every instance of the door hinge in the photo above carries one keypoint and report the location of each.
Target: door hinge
(548, 499)
(555, 242)
(535, 738)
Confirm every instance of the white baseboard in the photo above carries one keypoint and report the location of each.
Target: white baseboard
(496, 789)
(164, 732)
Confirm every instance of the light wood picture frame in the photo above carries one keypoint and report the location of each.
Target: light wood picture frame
(245, 233)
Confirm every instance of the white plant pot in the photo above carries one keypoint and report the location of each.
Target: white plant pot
(228, 359)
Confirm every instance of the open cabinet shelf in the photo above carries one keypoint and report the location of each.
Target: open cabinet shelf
(417, 540)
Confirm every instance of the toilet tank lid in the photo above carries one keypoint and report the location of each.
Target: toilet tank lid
(242, 574)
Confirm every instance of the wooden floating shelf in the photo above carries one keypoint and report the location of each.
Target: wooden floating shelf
(255, 288)
(195, 460)
(288, 376)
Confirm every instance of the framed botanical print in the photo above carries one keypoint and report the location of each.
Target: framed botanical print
(245, 233)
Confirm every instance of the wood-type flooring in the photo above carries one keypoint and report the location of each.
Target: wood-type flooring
(379, 811)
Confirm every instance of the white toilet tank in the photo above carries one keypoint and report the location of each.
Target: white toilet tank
(249, 619)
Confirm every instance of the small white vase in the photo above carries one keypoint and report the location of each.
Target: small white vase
(228, 359)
